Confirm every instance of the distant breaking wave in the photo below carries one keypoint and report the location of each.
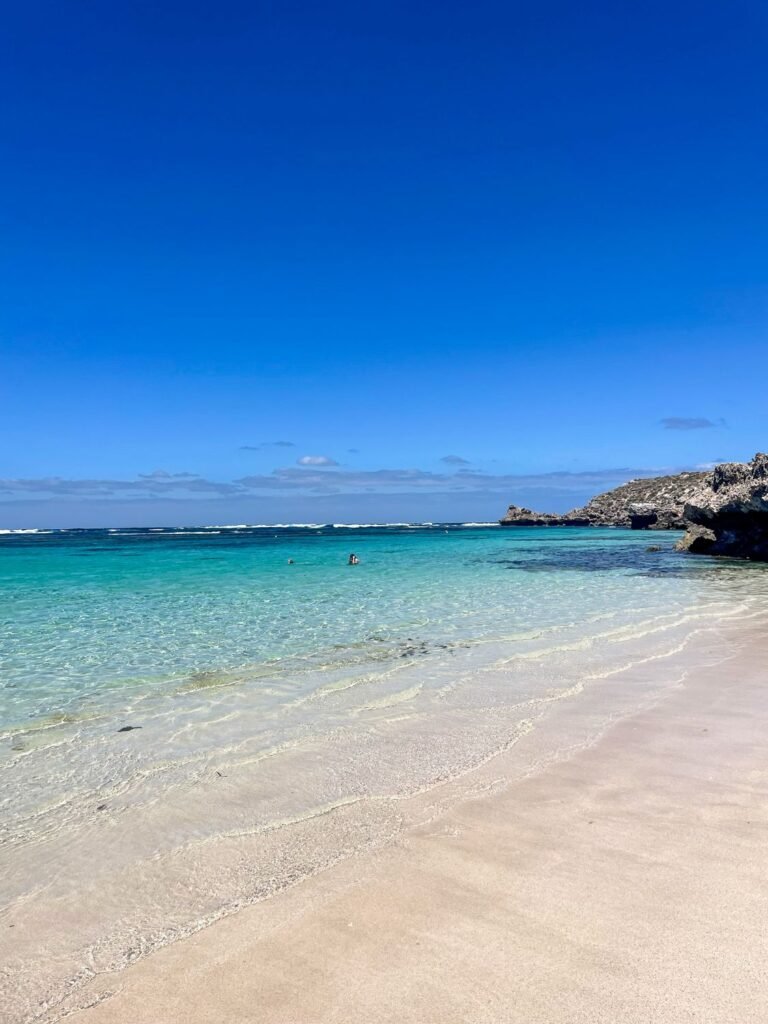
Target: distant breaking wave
(214, 528)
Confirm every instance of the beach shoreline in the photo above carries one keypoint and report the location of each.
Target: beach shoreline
(620, 877)
(143, 808)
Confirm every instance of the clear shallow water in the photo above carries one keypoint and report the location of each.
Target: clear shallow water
(96, 621)
(280, 714)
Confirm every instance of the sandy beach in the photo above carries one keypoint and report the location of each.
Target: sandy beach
(623, 880)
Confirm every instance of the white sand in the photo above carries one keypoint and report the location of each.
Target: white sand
(624, 883)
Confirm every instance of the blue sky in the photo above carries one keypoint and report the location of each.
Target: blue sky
(530, 238)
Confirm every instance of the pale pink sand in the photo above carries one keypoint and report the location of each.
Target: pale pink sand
(626, 883)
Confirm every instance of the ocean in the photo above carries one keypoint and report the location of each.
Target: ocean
(193, 719)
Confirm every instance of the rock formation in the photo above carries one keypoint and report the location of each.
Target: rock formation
(697, 539)
(725, 512)
(728, 512)
(656, 503)
(517, 516)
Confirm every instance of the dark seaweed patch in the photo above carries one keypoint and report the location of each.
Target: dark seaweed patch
(601, 559)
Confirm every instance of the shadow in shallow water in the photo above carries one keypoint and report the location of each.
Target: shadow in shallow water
(665, 562)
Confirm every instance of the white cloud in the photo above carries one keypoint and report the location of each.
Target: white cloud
(316, 475)
(316, 460)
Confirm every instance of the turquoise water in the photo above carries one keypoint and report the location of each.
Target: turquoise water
(189, 723)
(95, 620)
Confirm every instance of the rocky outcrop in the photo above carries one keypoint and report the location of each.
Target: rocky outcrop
(518, 516)
(655, 503)
(697, 539)
(724, 512)
(728, 512)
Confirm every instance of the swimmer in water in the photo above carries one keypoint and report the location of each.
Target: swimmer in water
(290, 561)
(353, 560)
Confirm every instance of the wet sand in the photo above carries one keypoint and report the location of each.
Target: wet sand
(623, 882)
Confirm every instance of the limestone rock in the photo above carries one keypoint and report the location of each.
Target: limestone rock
(697, 539)
(518, 516)
(725, 511)
(655, 503)
(732, 502)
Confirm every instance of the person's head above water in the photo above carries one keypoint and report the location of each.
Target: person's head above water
(353, 559)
